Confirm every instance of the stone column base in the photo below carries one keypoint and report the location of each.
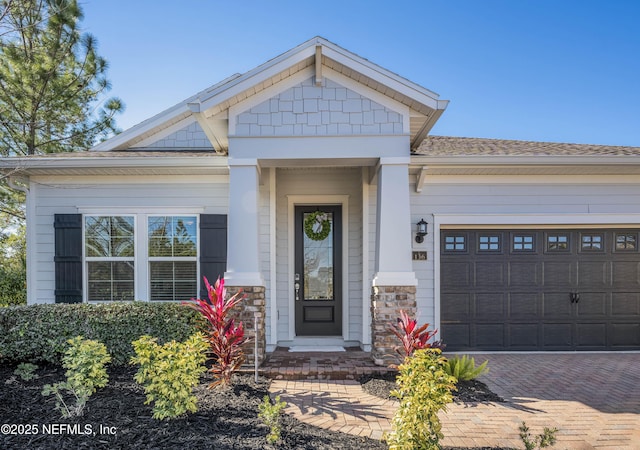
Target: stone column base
(253, 303)
(386, 304)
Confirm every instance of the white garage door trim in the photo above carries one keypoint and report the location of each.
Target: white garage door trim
(443, 221)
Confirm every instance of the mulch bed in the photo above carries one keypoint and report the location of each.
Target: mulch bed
(117, 418)
(225, 419)
(468, 392)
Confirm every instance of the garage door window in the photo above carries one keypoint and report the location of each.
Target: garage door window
(592, 242)
(457, 243)
(489, 243)
(557, 242)
(626, 242)
(523, 243)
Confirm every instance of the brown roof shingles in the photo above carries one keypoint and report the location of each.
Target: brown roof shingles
(461, 146)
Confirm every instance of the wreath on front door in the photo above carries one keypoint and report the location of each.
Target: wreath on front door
(317, 226)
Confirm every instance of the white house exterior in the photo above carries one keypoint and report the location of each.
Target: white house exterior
(530, 246)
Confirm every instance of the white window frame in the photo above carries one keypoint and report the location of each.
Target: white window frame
(141, 243)
(87, 259)
(150, 259)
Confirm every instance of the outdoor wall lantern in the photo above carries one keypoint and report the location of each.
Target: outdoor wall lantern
(422, 231)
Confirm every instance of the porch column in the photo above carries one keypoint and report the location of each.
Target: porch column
(394, 282)
(243, 251)
(393, 218)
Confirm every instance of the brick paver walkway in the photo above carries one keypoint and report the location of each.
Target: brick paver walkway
(593, 399)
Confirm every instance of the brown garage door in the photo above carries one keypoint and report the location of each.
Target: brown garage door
(540, 289)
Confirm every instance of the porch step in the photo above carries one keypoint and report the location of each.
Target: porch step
(347, 365)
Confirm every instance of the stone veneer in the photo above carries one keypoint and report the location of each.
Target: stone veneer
(253, 302)
(386, 304)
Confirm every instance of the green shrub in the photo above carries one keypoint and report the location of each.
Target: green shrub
(85, 361)
(270, 415)
(26, 371)
(169, 373)
(464, 369)
(13, 285)
(38, 333)
(546, 439)
(424, 388)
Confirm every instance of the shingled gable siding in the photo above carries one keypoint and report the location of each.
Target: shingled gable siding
(189, 138)
(68, 258)
(308, 110)
(213, 248)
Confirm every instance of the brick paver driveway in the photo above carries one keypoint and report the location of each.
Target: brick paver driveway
(592, 398)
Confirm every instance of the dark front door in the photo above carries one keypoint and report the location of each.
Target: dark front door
(318, 270)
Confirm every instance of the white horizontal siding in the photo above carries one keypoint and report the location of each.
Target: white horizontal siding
(69, 198)
(320, 182)
(484, 198)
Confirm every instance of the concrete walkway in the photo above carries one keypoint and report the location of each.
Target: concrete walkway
(593, 399)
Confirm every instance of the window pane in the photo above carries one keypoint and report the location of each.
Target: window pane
(107, 236)
(173, 236)
(454, 243)
(110, 281)
(490, 243)
(557, 242)
(625, 241)
(173, 280)
(318, 265)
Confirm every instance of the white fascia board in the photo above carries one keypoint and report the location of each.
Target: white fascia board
(371, 94)
(383, 76)
(254, 77)
(165, 132)
(144, 127)
(123, 161)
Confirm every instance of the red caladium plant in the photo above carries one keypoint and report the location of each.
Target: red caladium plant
(412, 336)
(225, 336)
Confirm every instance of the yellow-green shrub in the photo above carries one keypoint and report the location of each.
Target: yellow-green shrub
(85, 361)
(424, 388)
(169, 373)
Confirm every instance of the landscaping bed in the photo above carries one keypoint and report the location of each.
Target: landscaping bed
(226, 419)
(472, 391)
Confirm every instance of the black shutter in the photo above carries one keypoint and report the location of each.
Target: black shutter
(68, 258)
(213, 249)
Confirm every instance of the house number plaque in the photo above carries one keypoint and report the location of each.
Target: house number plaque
(419, 256)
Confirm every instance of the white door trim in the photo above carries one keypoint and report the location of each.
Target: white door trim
(301, 200)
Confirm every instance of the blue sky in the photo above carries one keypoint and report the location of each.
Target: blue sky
(543, 70)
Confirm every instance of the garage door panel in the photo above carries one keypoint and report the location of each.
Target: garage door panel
(626, 273)
(592, 335)
(625, 304)
(489, 274)
(546, 289)
(558, 274)
(456, 306)
(490, 335)
(457, 335)
(557, 335)
(456, 274)
(490, 307)
(624, 335)
(523, 336)
(593, 274)
(523, 305)
(592, 305)
(523, 274)
(556, 305)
